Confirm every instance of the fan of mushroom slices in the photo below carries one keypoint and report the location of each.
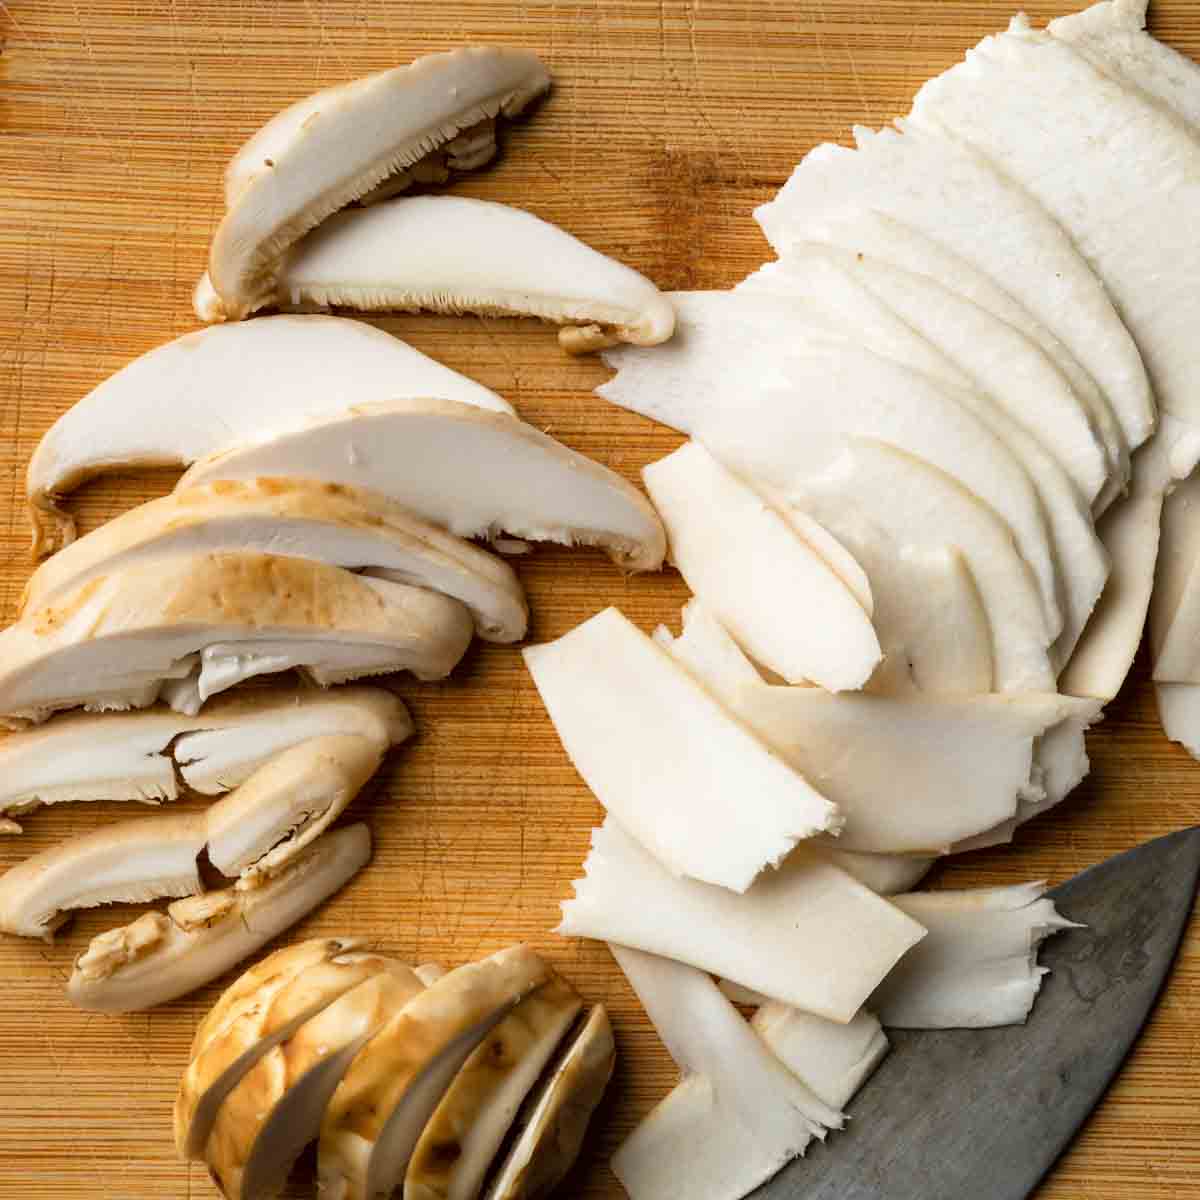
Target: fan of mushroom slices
(920, 514)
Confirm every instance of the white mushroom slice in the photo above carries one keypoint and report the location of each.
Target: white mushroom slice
(304, 519)
(338, 145)
(472, 472)
(779, 598)
(884, 874)
(375, 1118)
(162, 956)
(833, 1060)
(960, 201)
(465, 1132)
(807, 934)
(214, 389)
(1175, 600)
(276, 1108)
(260, 1018)
(1179, 714)
(978, 966)
(552, 1130)
(100, 645)
(454, 254)
(630, 719)
(738, 1116)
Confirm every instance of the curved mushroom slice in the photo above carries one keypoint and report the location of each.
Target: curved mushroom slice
(104, 644)
(465, 1132)
(216, 388)
(1179, 714)
(276, 1108)
(454, 254)
(472, 472)
(375, 1119)
(260, 1020)
(1175, 601)
(303, 518)
(165, 955)
(552, 1133)
(340, 144)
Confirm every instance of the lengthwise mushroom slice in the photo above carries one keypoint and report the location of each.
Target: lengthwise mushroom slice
(376, 1116)
(472, 472)
(467, 1128)
(164, 955)
(216, 388)
(303, 518)
(454, 254)
(630, 718)
(341, 144)
(111, 642)
(552, 1129)
(253, 833)
(275, 1109)
(1175, 601)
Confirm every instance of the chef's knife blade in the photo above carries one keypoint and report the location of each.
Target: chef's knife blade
(984, 1113)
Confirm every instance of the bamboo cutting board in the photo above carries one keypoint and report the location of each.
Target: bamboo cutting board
(669, 121)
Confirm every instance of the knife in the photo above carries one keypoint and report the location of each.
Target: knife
(984, 1113)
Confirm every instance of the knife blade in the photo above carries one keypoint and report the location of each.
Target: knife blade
(985, 1113)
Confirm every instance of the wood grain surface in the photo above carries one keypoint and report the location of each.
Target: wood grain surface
(668, 122)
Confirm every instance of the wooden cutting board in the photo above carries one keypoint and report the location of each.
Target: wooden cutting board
(669, 121)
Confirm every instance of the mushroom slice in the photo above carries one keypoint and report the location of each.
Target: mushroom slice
(165, 955)
(472, 472)
(465, 1132)
(340, 144)
(1175, 601)
(1179, 714)
(275, 1109)
(257, 1021)
(552, 1129)
(216, 388)
(375, 1119)
(306, 519)
(884, 874)
(454, 254)
(109, 642)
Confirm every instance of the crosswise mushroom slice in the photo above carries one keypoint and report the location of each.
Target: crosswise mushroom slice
(455, 254)
(339, 145)
(472, 472)
(304, 518)
(216, 388)
(112, 641)
(164, 955)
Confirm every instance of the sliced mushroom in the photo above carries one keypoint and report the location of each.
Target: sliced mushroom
(165, 955)
(256, 1023)
(338, 145)
(375, 1119)
(275, 1110)
(205, 392)
(465, 1132)
(473, 472)
(112, 641)
(304, 519)
(454, 254)
(552, 1133)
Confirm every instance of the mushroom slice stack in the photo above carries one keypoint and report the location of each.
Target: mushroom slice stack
(472, 472)
(339, 145)
(113, 641)
(216, 388)
(454, 254)
(306, 519)
(164, 955)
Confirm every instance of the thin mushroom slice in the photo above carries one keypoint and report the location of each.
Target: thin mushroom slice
(111, 642)
(338, 145)
(165, 955)
(454, 254)
(553, 1128)
(464, 1134)
(216, 388)
(276, 1108)
(1175, 601)
(475, 473)
(392, 1089)
(345, 527)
